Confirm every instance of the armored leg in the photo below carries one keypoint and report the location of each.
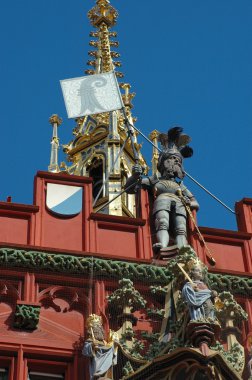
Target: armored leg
(180, 230)
(162, 227)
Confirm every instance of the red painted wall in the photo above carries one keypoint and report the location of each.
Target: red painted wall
(66, 300)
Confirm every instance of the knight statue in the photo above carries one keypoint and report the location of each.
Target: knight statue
(172, 198)
(102, 354)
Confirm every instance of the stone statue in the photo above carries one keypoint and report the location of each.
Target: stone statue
(171, 196)
(198, 297)
(102, 354)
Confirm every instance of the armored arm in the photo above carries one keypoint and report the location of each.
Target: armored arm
(134, 181)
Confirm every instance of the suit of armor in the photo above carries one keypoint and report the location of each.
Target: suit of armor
(171, 196)
(169, 211)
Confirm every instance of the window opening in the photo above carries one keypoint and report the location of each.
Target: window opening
(96, 171)
(4, 374)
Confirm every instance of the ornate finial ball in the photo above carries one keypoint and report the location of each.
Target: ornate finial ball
(55, 119)
(94, 320)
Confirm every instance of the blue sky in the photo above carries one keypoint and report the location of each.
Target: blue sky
(190, 63)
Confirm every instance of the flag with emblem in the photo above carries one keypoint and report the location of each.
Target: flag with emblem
(91, 94)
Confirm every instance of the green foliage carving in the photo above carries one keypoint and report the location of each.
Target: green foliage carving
(127, 369)
(155, 313)
(11, 257)
(235, 356)
(128, 335)
(60, 263)
(126, 295)
(26, 317)
(230, 308)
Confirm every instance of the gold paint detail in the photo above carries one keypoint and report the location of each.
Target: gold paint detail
(103, 12)
(55, 119)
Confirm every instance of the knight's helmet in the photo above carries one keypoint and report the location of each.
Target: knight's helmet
(174, 143)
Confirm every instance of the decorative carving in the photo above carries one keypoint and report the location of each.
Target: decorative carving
(228, 308)
(235, 356)
(230, 313)
(127, 97)
(103, 12)
(75, 298)
(155, 313)
(8, 292)
(20, 258)
(102, 354)
(82, 265)
(55, 119)
(126, 296)
(26, 316)
(127, 369)
(124, 301)
(106, 58)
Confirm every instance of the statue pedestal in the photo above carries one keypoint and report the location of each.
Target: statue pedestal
(165, 253)
(203, 334)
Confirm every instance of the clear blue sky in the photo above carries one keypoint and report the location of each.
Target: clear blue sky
(190, 63)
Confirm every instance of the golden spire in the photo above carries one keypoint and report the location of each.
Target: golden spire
(103, 16)
(103, 12)
(99, 149)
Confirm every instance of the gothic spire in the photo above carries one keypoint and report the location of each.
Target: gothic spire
(103, 17)
(101, 147)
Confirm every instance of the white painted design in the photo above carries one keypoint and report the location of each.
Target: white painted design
(64, 199)
(91, 94)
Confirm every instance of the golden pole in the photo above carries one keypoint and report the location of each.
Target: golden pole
(185, 274)
(209, 256)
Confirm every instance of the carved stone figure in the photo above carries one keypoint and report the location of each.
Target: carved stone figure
(171, 196)
(198, 296)
(102, 354)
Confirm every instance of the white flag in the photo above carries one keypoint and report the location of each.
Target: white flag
(91, 94)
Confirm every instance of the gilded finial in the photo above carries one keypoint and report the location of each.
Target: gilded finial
(103, 12)
(154, 135)
(55, 119)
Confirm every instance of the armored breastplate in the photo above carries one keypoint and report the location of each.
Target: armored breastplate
(165, 186)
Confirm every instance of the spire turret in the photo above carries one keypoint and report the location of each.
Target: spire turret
(103, 16)
(55, 121)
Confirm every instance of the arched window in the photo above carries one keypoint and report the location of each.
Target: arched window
(96, 171)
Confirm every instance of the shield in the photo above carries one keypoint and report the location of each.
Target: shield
(64, 199)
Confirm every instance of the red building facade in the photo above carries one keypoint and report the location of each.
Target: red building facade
(56, 270)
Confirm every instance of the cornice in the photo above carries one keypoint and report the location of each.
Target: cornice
(107, 268)
(240, 235)
(18, 207)
(60, 263)
(64, 177)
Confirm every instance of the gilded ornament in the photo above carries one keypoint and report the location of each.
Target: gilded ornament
(55, 119)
